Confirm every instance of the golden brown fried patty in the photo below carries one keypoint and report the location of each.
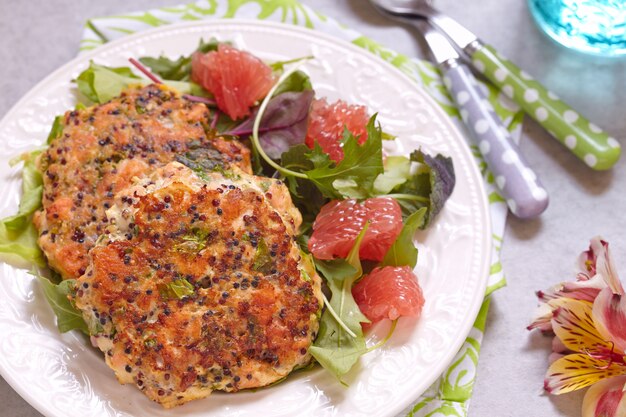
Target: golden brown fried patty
(101, 149)
(200, 285)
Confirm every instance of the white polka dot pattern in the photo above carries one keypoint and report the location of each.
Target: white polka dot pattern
(531, 95)
(541, 114)
(517, 182)
(591, 160)
(462, 97)
(570, 141)
(586, 140)
(481, 126)
(570, 116)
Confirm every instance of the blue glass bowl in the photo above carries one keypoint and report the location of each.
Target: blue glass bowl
(592, 26)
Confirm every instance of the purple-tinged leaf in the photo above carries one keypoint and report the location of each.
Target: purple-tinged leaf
(283, 125)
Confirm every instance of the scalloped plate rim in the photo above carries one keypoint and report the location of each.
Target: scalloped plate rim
(472, 310)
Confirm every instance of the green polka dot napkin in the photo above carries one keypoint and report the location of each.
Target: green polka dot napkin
(450, 395)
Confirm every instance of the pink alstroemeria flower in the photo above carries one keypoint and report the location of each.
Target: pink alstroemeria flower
(588, 318)
(586, 287)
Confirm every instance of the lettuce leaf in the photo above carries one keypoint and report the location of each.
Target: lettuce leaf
(397, 172)
(20, 248)
(68, 316)
(18, 236)
(100, 84)
(57, 129)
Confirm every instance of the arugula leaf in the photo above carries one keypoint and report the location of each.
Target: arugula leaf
(354, 176)
(68, 316)
(283, 123)
(18, 236)
(179, 69)
(304, 194)
(403, 251)
(429, 187)
(338, 268)
(335, 348)
(100, 83)
(296, 159)
(177, 289)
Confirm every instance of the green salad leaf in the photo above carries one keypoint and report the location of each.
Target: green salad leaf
(430, 186)
(355, 175)
(340, 341)
(57, 129)
(100, 84)
(403, 251)
(68, 316)
(397, 172)
(297, 82)
(32, 191)
(304, 194)
(18, 235)
(18, 247)
(177, 69)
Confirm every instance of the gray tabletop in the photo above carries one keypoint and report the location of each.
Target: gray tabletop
(37, 37)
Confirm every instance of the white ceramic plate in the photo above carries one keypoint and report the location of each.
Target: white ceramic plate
(61, 375)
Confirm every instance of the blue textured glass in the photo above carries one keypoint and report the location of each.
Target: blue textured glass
(595, 26)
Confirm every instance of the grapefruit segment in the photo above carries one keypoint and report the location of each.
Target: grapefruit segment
(389, 293)
(237, 79)
(327, 123)
(339, 222)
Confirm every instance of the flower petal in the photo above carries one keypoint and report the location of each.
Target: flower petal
(606, 267)
(606, 399)
(542, 319)
(583, 290)
(559, 347)
(587, 259)
(574, 325)
(577, 371)
(609, 314)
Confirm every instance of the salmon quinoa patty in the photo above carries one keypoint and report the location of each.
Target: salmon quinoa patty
(200, 285)
(100, 150)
